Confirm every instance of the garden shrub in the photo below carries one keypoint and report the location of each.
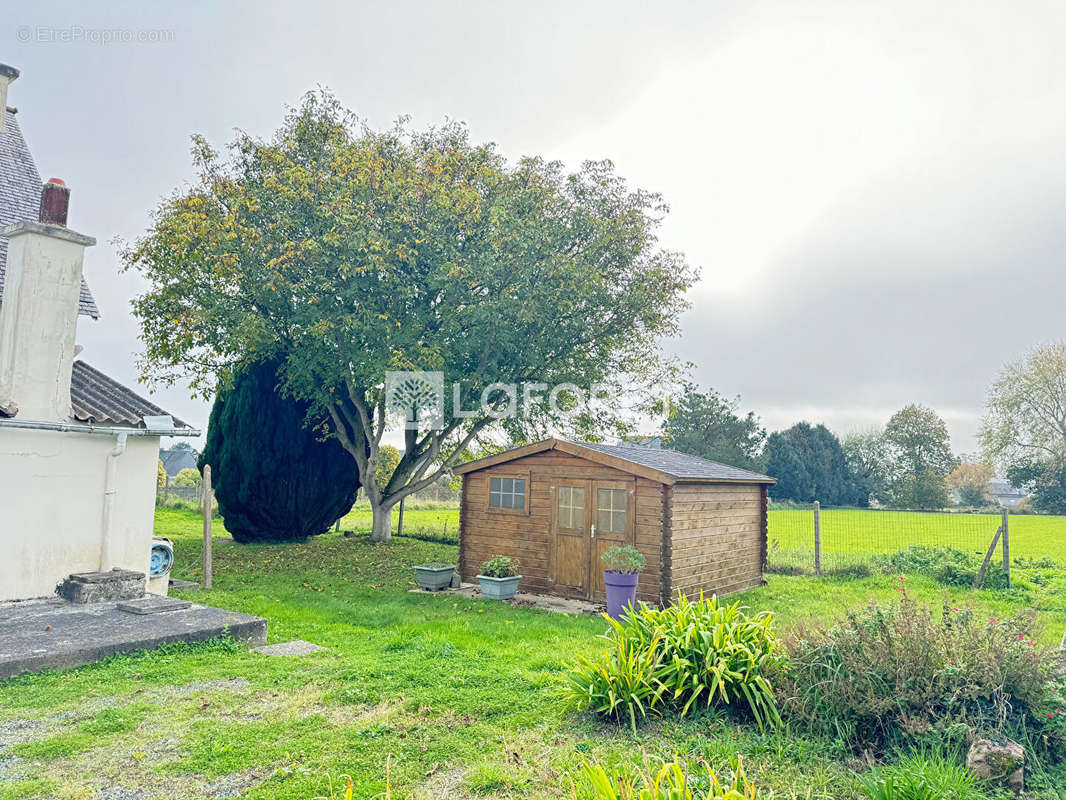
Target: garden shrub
(922, 776)
(945, 565)
(668, 782)
(682, 657)
(885, 676)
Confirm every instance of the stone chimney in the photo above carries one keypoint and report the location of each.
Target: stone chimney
(39, 312)
(7, 77)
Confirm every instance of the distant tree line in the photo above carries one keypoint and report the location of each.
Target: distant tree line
(904, 465)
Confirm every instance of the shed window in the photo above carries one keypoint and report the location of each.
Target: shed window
(611, 510)
(571, 507)
(507, 493)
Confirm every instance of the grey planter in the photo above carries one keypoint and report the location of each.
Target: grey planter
(434, 577)
(499, 588)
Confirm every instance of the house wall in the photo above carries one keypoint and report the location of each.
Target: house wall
(51, 507)
(717, 538)
(485, 533)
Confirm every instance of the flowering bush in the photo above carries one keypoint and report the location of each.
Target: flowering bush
(884, 675)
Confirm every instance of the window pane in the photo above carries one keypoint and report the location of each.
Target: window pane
(619, 499)
(520, 486)
(603, 521)
(494, 499)
(506, 485)
(577, 518)
(579, 498)
(508, 501)
(603, 498)
(519, 501)
(619, 522)
(494, 484)
(565, 493)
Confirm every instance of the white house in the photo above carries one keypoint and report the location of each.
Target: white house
(78, 450)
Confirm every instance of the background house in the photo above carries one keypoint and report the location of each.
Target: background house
(178, 458)
(78, 450)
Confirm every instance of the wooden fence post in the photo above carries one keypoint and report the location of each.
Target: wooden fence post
(399, 523)
(979, 579)
(817, 538)
(206, 503)
(1006, 547)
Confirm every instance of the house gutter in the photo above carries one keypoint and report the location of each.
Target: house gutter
(103, 430)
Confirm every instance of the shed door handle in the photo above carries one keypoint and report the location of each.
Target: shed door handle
(593, 530)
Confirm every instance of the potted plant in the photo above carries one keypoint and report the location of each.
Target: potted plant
(434, 577)
(621, 570)
(499, 577)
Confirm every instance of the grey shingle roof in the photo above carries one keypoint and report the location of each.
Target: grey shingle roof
(103, 400)
(20, 197)
(681, 465)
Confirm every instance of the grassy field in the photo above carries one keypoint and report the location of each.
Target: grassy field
(846, 533)
(457, 696)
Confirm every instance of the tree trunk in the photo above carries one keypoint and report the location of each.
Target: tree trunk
(382, 524)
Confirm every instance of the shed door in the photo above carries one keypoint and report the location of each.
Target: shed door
(612, 504)
(571, 535)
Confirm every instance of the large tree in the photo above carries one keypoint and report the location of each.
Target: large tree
(275, 476)
(1025, 412)
(348, 253)
(708, 425)
(809, 465)
(866, 454)
(920, 457)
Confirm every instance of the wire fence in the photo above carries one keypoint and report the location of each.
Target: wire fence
(851, 540)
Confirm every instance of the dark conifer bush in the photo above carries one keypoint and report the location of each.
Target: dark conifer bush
(275, 477)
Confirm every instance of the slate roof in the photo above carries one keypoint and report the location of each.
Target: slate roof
(174, 461)
(100, 399)
(20, 197)
(666, 466)
(680, 465)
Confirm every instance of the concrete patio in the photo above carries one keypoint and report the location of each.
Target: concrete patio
(54, 634)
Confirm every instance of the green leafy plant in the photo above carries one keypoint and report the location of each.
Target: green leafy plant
(668, 782)
(886, 676)
(923, 775)
(623, 558)
(500, 567)
(684, 656)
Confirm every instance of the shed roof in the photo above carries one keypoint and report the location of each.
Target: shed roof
(664, 466)
(100, 399)
(20, 197)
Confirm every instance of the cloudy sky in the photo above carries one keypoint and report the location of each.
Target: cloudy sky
(875, 191)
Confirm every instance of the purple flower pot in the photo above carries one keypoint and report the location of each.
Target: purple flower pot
(621, 591)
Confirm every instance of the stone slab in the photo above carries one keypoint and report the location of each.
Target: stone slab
(97, 587)
(297, 647)
(53, 634)
(152, 604)
(547, 602)
(183, 586)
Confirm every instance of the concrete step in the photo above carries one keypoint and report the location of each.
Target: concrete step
(100, 587)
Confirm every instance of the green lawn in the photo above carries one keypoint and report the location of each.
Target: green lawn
(847, 534)
(457, 696)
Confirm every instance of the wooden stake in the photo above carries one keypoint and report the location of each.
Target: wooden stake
(206, 503)
(1005, 527)
(399, 523)
(817, 538)
(980, 578)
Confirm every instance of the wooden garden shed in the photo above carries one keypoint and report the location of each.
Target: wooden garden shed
(558, 505)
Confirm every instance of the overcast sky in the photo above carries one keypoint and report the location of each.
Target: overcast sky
(875, 192)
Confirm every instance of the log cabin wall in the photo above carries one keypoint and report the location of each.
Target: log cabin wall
(529, 536)
(717, 538)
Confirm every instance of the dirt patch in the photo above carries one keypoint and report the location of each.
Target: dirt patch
(184, 690)
(17, 731)
(446, 785)
(233, 785)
